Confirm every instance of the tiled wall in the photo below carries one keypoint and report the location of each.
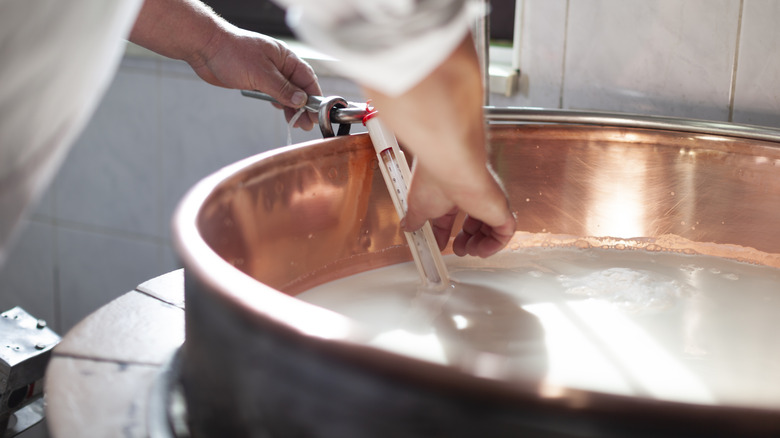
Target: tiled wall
(103, 227)
(707, 59)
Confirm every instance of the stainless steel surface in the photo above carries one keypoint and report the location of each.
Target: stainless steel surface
(259, 232)
(312, 102)
(352, 112)
(602, 118)
(25, 418)
(24, 354)
(327, 110)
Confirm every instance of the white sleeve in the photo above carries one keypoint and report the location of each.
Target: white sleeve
(389, 45)
(56, 60)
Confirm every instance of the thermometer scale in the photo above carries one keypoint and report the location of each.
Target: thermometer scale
(397, 175)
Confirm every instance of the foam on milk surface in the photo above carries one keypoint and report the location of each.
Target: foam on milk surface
(660, 325)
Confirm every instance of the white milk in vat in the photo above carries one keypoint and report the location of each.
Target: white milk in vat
(697, 329)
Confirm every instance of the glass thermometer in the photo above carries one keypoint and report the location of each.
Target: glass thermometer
(397, 175)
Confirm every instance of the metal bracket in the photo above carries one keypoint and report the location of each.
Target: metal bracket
(325, 114)
(25, 348)
(333, 109)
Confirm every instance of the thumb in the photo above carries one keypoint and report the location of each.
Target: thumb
(272, 81)
(289, 95)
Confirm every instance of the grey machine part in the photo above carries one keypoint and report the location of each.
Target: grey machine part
(25, 349)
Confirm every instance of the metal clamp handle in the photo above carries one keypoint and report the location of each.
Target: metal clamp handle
(338, 111)
(326, 111)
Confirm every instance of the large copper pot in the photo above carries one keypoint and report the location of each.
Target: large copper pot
(259, 362)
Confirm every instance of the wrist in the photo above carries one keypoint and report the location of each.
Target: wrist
(201, 34)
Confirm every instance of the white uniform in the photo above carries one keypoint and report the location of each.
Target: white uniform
(57, 57)
(387, 45)
(56, 60)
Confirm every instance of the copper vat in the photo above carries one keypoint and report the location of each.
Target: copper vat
(259, 362)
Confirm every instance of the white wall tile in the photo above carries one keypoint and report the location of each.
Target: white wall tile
(111, 177)
(146, 63)
(757, 91)
(96, 268)
(27, 278)
(653, 57)
(45, 207)
(176, 68)
(541, 55)
(170, 260)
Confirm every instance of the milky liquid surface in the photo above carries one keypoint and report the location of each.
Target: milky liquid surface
(696, 329)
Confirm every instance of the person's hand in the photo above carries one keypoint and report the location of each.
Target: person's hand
(441, 121)
(225, 55)
(248, 60)
(483, 233)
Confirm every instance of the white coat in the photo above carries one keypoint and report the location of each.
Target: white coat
(57, 57)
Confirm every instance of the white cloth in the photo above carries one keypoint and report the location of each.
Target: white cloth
(389, 45)
(56, 60)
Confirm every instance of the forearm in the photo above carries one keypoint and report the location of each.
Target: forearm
(441, 121)
(178, 29)
(441, 118)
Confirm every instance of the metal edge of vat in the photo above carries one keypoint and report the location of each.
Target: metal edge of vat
(579, 410)
(296, 331)
(599, 118)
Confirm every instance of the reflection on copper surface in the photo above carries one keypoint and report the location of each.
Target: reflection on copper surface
(297, 215)
(317, 212)
(620, 182)
(305, 215)
(616, 201)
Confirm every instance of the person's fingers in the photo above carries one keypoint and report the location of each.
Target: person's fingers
(448, 141)
(313, 121)
(242, 59)
(292, 80)
(287, 93)
(486, 200)
(297, 82)
(304, 77)
(304, 121)
(488, 227)
(267, 65)
(425, 200)
(442, 228)
(482, 240)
